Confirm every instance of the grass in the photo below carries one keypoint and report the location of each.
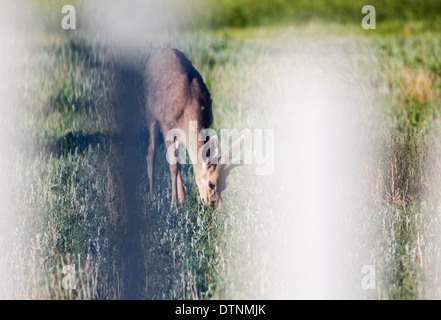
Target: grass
(245, 13)
(81, 172)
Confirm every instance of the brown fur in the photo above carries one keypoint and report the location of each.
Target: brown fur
(176, 95)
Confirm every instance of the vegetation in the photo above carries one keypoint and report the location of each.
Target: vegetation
(80, 164)
(243, 13)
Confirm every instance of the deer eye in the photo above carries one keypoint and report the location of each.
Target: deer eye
(212, 186)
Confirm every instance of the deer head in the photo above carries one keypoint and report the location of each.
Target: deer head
(211, 176)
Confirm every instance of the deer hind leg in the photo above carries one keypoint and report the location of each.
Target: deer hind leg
(153, 130)
(173, 165)
(180, 186)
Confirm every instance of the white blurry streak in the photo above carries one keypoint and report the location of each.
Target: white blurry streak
(15, 24)
(131, 24)
(317, 134)
(6, 55)
(432, 255)
(304, 153)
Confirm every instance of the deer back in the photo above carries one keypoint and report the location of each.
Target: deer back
(176, 93)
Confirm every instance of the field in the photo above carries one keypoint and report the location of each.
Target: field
(74, 187)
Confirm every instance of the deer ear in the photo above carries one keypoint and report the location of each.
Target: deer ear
(223, 174)
(237, 146)
(231, 153)
(210, 150)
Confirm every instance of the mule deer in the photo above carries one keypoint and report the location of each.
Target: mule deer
(175, 96)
